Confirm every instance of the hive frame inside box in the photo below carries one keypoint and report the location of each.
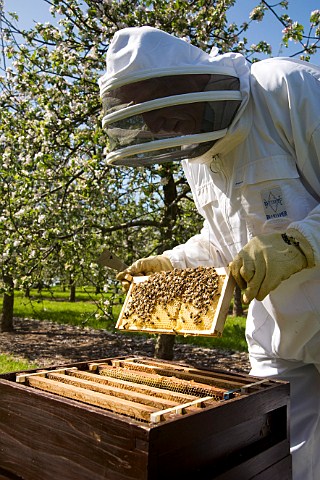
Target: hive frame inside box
(47, 437)
(217, 322)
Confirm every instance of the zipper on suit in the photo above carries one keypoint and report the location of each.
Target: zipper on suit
(216, 167)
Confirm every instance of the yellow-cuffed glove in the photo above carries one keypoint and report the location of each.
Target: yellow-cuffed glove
(267, 260)
(144, 266)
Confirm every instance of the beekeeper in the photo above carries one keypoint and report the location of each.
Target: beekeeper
(248, 138)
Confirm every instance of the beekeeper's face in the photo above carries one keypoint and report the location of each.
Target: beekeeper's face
(179, 119)
(168, 118)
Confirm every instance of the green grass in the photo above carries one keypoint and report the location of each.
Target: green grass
(79, 313)
(233, 337)
(53, 305)
(12, 364)
(59, 294)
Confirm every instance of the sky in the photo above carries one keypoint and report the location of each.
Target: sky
(31, 11)
(269, 29)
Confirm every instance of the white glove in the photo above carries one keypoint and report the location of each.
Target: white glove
(267, 260)
(144, 266)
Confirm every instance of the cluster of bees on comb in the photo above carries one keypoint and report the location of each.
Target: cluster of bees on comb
(167, 291)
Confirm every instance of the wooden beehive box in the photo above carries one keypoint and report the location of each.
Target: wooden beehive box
(170, 421)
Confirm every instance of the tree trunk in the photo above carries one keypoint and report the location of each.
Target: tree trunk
(237, 303)
(72, 295)
(165, 343)
(164, 347)
(6, 318)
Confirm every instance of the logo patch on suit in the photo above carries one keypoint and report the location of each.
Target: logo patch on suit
(273, 203)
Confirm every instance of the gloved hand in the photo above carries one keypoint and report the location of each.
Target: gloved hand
(267, 260)
(144, 266)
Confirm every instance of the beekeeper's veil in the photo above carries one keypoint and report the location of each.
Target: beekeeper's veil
(164, 99)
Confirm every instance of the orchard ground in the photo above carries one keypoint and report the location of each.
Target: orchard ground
(43, 343)
(50, 330)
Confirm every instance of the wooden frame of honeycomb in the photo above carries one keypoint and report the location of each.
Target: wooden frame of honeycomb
(192, 301)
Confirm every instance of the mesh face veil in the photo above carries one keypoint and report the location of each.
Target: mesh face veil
(164, 99)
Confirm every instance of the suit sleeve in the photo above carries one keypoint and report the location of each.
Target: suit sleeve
(199, 250)
(291, 94)
(309, 227)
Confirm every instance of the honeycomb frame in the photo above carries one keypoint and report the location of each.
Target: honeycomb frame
(179, 317)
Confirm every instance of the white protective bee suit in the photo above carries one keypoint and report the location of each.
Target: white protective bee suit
(262, 176)
(265, 179)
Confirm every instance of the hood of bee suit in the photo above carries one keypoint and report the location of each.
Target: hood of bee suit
(151, 75)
